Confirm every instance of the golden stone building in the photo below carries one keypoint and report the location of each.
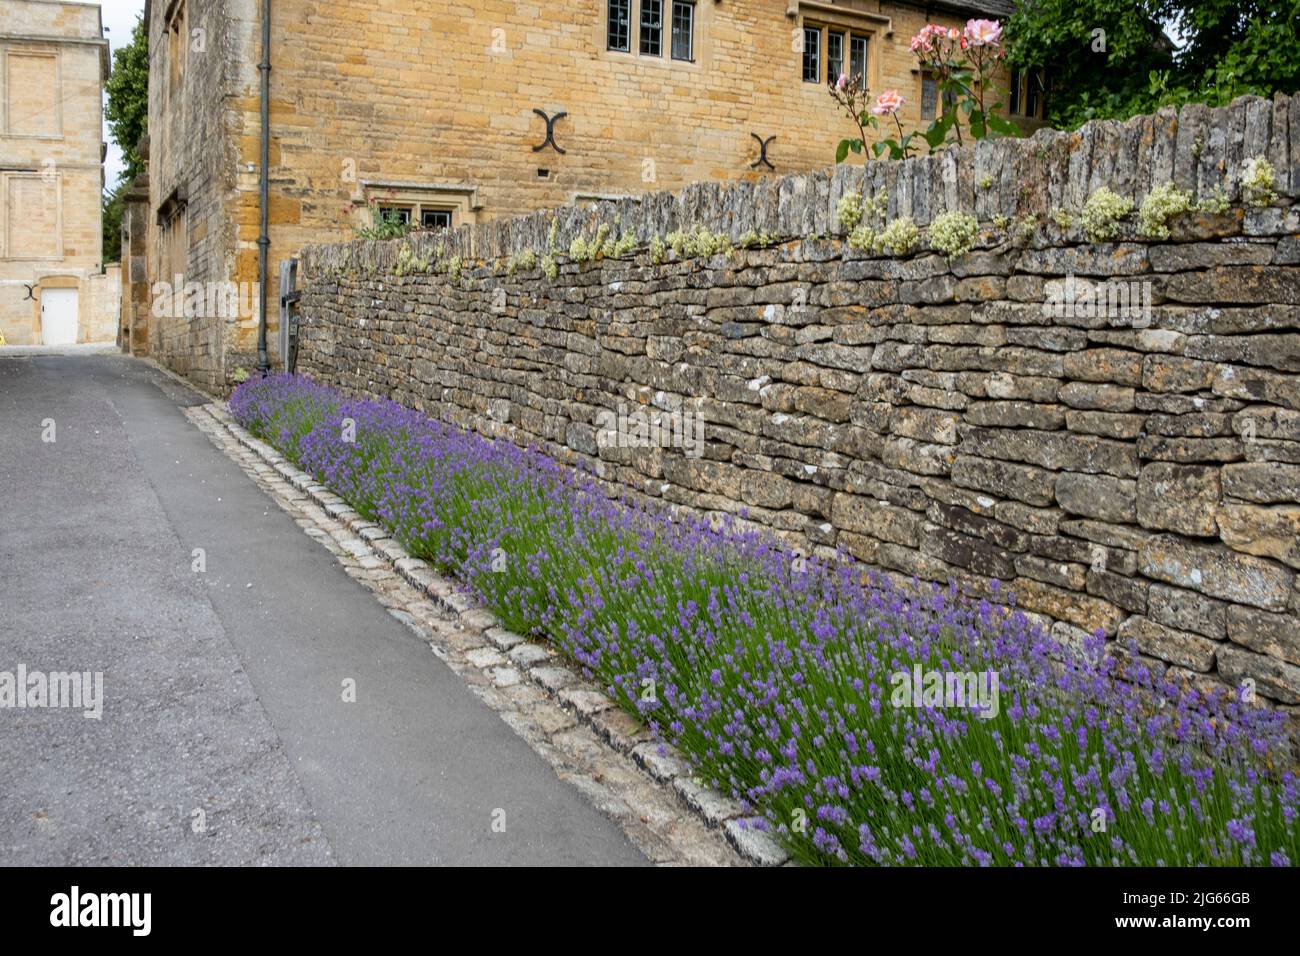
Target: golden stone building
(53, 64)
(444, 113)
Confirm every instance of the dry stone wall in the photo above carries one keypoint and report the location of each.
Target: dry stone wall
(1110, 429)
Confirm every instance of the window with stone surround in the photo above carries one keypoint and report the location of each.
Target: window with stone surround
(423, 215)
(652, 27)
(834, 54)
(435, 218)
(423, 205)
(620, 25)
(929, 96)
(649, 39)
(394, 215)
(844, 51)
(812, 54)
(173, 241)
(683, 30)
(858, 58)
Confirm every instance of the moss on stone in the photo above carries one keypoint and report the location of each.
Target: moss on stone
(953, 233)
(848, 212)
(1163, 203)
(898, 237)
(1102, 213)
(1259, 182)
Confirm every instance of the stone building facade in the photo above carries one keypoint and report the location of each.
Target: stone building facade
(53, 65)
(456, 113)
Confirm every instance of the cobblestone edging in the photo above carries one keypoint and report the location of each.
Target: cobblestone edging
(569, 721)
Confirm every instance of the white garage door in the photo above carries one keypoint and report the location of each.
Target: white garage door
(59, 316)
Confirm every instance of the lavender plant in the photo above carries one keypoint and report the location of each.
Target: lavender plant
(779, 677)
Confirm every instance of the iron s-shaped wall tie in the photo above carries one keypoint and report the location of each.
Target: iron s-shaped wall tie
(762, 152)
(31, 289)
(550, 130)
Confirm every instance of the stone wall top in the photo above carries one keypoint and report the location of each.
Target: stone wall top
(1198, 148)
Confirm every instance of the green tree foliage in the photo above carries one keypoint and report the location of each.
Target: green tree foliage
(128, 97)
(127, 113)
(1117, 58)
(112, 219)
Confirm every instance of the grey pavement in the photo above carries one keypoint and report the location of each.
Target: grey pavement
(223, 690)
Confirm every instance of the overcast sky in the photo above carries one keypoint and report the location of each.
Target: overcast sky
(119, 19)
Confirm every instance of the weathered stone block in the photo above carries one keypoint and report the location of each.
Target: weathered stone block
(964, 551)
(1081, 610)
(1167, 373)
(1123, 591)
(1190, 450)
(1015, 415)
(1180, 498)
(1097, 397)
(1105, 365)
(1176, 647)
(1272, 677)
(1270, 532)
(1105, 424)
(1276, 635)
(1216, 571)
(1033, 486)
(864, 516)
(963, 519)
(926, 425)
(1098, 496)
(1054, 450)
(1072, 577)
(1187, 611)
(1263, 482)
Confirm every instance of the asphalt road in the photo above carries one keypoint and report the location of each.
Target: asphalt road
(224, 736)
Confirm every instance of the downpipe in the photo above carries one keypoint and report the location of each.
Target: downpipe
(264, 188)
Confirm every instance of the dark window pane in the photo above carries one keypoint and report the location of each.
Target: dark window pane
(858, 59)
(683, 31)
(1013, 101)
(652, 27)
(929, 97)
(436, 218)
(392, 214)
(812, 55)
(620, 24)
(834, 56)
(1031, 93)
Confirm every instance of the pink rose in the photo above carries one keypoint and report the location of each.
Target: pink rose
(842, 82)
(888, 103)
(983, 32)
(925, 40)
